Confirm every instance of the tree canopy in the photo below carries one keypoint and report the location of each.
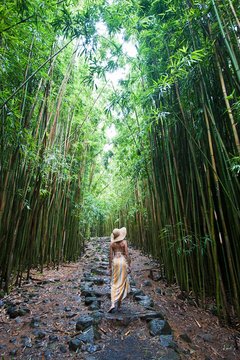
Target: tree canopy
(156, 151)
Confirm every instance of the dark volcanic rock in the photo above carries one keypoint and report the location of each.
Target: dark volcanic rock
(151, 315)
(14, 311)
(166, 340)
(35, 322)
(159, 327)
(159, 291)
(88, 336)
(67, 309)
(97, 315)
(171, 355)
(76, 298)
(53, 338)
(95, 306)
(145, 300)
(84, 322)
(87, 291)
(207, 337)
(89, 300)
(99, 272)
(47, 354)
(137, 292)
(75, 344)
(13, 352)
(147, 283)
(92, 348)
(185, 338)
(13, 340)
(40, 334)
(100, 281)
(63, 349)
(26, 342)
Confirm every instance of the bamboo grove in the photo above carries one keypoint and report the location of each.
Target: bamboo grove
(171, 174)
(45, 137)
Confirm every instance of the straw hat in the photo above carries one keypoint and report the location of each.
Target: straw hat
(118, 234)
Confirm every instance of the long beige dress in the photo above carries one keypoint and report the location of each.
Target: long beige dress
(120, 286)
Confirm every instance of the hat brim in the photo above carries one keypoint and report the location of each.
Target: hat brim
(121, 236)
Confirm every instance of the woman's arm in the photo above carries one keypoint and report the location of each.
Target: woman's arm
(127, 255)
(110, 257)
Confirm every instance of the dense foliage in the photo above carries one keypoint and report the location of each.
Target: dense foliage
(171, 173)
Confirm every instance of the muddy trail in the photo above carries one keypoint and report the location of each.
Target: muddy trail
(63, 314)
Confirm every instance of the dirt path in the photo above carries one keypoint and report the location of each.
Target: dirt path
(63, 314)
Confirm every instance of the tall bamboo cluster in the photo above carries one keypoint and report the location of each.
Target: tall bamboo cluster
(186, 203)
(44, 151)
(193, 200)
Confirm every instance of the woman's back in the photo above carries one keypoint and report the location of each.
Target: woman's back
(119, 247)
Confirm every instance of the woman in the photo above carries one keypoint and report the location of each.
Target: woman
(119, 267)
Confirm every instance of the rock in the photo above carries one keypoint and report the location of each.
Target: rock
(2, 346)
(26, 341)
(1, 303)
(151, 315)
(13, 340)
(47, 354)
(40, 334)
(94, 306)
(13, 352)
(166, 340)
(182, 296)
(39, 343)
(100, 281)
(213, 309)
(159, 327)
(46, 301)
(53, 338)
(99, 272)
(67, 309)
(132, 282)
(12, 311)
(137, 292)
(87, 291)
(63, 349)
(35, 322)
(147, 283)
(23, 311)
(171, 355)
(75, 344)
(87, 279)
(32, 295)
(70, 315)
(76, 298)
(97, 316)
(185, 338)
(88, 336)
(83, 322)
(102, 292)
(207, 337)
(18, 320)
(89, 300)
(159, 291)
(145, 300)
(92, 348)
